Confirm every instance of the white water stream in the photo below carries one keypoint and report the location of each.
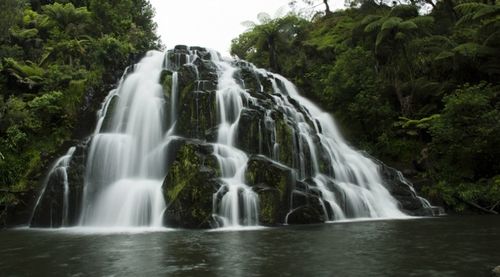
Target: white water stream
(126, 166)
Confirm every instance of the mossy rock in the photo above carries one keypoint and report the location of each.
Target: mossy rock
(273, 182)
(286, 139)
(197, 113)
(271, 207)
(166, 82)
(189, 186)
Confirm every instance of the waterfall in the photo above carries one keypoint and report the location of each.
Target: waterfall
(354, 176)
(239, 204)
(130, 151)
(59, 172)
(173, 101)
(125, 166)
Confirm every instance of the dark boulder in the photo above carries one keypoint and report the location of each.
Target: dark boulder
(305, 215)
(273, 183)
(50, 209)
(279, 193)
(401, 189)
(190, 184)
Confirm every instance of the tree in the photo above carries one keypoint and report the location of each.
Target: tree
(57, 61)
(11, 12)
(269, 36)
(392, 34)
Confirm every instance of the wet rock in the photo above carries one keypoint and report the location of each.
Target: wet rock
(189, 186)
(76, 181)
(108, 118)
(249, 136)
(273, 183)
(401, 189)
(287, 143)
(197, 111)
(279, 192)
(49, 212)
(181, 47)
(305, 215)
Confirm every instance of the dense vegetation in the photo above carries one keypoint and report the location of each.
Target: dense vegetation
(57, 61)
(419, 90)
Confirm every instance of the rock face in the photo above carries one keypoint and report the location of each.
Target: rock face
(289, 167)
(191, 182)
(401, 189)
(53, 210)
(282, 199)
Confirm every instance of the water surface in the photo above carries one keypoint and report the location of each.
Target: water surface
(452, 246)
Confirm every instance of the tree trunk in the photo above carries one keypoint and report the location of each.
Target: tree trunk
(431, 3)
(327, 7)
(405, 102)
(273, 56)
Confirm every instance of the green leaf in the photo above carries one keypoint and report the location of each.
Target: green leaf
(369, 19)
(391, 23)
(407, 25)
(445, 55)
(472, 49)
(375, 25)
(487, 12)
(23, 34)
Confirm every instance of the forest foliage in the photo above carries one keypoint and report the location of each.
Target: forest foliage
(419, 90)
(56, 58)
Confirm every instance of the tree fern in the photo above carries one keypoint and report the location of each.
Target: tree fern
(391, 23)
(373, 26)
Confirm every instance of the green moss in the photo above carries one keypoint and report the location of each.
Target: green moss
(284, 138)
(189, 186)
(197, 112)
(273, 183)
(269, 203)
(182, 171)
(166, 81)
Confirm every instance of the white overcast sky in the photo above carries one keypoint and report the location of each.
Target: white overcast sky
(211, 23)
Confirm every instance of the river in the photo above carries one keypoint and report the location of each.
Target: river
(446, 246)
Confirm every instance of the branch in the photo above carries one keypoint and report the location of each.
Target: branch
(494, 206)
(480, 208)
(430, 2)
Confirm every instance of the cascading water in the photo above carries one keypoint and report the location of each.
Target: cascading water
(125, 166)
(130, 152)
(355, 177)
(59, 172)
(239, 205)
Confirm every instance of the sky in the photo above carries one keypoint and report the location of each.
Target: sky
(210, 23)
